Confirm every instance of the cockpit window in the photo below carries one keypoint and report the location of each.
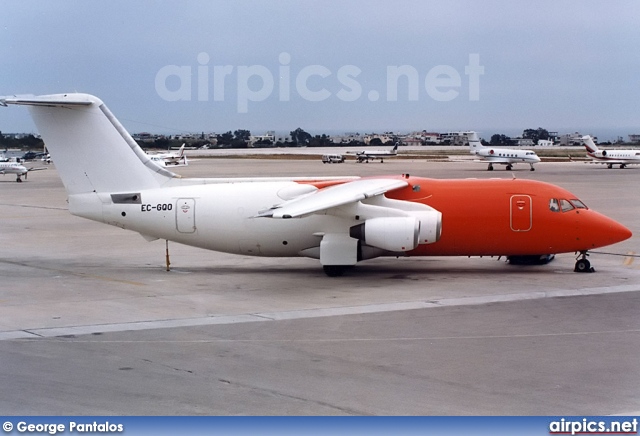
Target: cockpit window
(566, 205)
(553, 205)
(578, 204)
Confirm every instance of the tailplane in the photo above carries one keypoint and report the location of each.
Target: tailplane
(91, 149)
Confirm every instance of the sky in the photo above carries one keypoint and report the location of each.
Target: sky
(332, 66)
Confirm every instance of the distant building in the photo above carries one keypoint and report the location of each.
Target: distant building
(453, 138)
(523, 142)
(269, 136)
(346, 138)
(383, 137)
(20, 135)
(571, 139)
(430, 138)
(634, 138)
(411, 141)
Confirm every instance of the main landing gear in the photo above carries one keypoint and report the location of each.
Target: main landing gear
(335, 270)
(490, 167)
(582, 263)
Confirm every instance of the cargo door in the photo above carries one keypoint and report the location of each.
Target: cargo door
(521, 213)
(186, 215)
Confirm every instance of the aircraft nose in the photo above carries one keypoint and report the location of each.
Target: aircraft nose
(605, 231)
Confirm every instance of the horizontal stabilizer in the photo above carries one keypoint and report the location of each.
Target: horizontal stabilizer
(46, 100)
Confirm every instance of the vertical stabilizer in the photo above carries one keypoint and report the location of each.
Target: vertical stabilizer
(474, 142)
(90, 148)
(589, 144)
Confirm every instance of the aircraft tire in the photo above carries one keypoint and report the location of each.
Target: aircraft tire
(583, 266)
(334, 270)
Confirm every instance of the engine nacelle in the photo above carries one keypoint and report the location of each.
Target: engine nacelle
(430, 226)
(392, 234)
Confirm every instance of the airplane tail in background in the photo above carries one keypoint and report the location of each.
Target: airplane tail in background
(589, 144)
(474, 142)
(91, 149)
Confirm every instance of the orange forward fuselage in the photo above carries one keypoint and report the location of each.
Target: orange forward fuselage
(507, 217)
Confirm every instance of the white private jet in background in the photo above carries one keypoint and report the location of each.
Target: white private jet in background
(166, 159)
(610, 157)
(365, 156)
(503, 156)
(16, 168)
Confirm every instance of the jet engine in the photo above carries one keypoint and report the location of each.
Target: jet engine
(399, 233)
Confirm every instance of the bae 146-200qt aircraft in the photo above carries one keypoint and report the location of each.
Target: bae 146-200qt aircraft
(611, 157)
(340, 221)
(503, 156)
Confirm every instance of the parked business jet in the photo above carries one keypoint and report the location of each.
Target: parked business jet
(503, 156)
(340, 221)
(16, 168)
(165, 159)
(365, 156)
(611, 157)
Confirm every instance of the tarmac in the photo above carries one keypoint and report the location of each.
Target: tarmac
(91, 323)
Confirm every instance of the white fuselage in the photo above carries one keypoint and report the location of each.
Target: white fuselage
(507, 155)
(616, 156)
(221, 217)
(13, 168)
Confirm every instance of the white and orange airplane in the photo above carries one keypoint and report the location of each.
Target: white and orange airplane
(611, 157)
(340, 221)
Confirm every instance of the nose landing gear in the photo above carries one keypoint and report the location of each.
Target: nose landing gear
(582, 263)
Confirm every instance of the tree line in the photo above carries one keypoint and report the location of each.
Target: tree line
(534, 134)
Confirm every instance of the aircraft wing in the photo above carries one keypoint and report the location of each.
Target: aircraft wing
(333, 196)
(500, 160)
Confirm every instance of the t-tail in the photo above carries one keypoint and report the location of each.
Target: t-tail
(591, 146)
(474, 142)
(93, 152)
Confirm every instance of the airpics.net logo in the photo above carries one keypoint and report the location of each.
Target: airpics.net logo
(313, 83)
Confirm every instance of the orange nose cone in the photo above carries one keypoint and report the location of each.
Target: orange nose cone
(605, 231)
(621, 233)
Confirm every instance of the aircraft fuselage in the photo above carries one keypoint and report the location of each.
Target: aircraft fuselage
(479, 218)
